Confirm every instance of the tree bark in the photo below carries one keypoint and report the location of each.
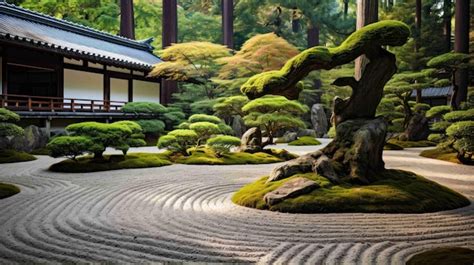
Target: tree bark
(418, 40)
(367, 13)
(461, 44)
(228, 23)
(313, 35)
(169, 36)
(127, 21)
(447, 24)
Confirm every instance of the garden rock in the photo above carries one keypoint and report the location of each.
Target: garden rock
(307, 132)
(251, 141)
(319, 120)
(33, 138)
(302, 164)
(292, 188)
(323, 167)
(288, 137)
(418, 128)
(238, 125)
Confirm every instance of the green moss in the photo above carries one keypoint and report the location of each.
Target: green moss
(112, 162)
(392, 146)
(206, 156)
(442, 153)
(450, 59)
(444, 256)
(411, 144)
(305, 140)
(41, 152)
(7, 190)
(12, 156)
(394, 191)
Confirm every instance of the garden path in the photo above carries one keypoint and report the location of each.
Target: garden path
(184, 212)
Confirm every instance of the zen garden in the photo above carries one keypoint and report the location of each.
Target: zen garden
(237, 131)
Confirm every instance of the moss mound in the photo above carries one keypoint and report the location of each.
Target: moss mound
(305, 140)
(442, 153)
(7, 190)
(411, 144)
(395, 191)
(392, 146)
(206, 156)
(112, 162)
(12, 156)
(444, 256)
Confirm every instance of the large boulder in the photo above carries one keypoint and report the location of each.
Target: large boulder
(33, 138)
(238, 125)
(319, 120)
(290, 189)
(302, 164)
(418, 128)
(288, 137)
(251, 141)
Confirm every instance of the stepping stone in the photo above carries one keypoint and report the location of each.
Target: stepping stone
(292, 188)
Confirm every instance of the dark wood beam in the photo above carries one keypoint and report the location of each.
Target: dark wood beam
(228, 23)
(127, 20)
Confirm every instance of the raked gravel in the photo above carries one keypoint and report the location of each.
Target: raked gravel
(184, 213)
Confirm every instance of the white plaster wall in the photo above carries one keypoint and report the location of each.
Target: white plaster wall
(83, 85)
(146, 91)
(118, 89)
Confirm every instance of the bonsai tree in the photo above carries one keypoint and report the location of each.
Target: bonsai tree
(221, 144)
(8, 128)
(449, 64)
(152, 128)
(204, 130)
(462, 134)
(178, 140)
(69, 146)
(273, 113)
(134, 140)
(356, 151)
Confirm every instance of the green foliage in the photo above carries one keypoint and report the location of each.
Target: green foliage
(69, 146)
(411, 144)
(204, 118)
(440, 126)
(231, 106)
(463, 134)
(113, 162)
(436, 137)
(10, 130)
(459, 115)
(442, 152)
(151, 108)
(443, 256)
(449, 60)
(179, 140)
(7, 190)
(8, 116)
(221, 144)
(152, 127)
(421, 107)
(204, 130)
(438, 111)
(225, 129)
(394, 191)
(183, 125)
(13, 156)
(173, 118)
(332, 132)
(305, 140)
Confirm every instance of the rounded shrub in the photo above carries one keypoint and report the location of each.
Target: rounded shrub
(463, 134)
(10, 129)
(204, 118)
(152, 108)
(460, 115)
(440, 126)
(204, 130)
(8, 116)
(152, 127)
(69, 146)
(221, 144)
(421, 107)
(179, 140)
(438, 111)
(436, 137)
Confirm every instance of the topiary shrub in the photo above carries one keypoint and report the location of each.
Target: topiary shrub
(179, 140)
(7, 127)
(69, 146)
(204, 130)
(463, 135)
(204, 118)
(421, 107)
(151, 108)
(438, 111)
(440, 126)
(459, 115)
(152, 127)
(436, 137)
(221, 144)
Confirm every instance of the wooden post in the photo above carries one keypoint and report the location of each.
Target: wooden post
(228, 23)
(461, 44)
(127, 20)
(169, 36)
(29, 104)
(73, 109)
(367, 13)
(92, 106)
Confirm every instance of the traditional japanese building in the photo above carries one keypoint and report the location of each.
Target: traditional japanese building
(55, 71)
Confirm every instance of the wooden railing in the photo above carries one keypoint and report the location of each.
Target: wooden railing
(53, 104)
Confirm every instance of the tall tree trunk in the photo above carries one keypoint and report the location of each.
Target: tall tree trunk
(228, 23)
(169, 36)
(461, 44)
(418, 40)
(127, 21)
(367, 13)
(447, 24)
(313, 35)
(346, 7)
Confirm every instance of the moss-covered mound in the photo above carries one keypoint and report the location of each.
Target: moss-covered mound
(442, 153)
(7, 190)
(112, 162)
(395, 191)
(411, 144)
(305, 140)
(206, 156)
(444, 256)
(12, 156)
(392, 146)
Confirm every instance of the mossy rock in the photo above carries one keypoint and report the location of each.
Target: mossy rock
(111, 162)
(206, 156)
(394, 191)
(305, 140)
(7, 190)
(444, 256)
(411, 144)
(12, 156)
(442, 153)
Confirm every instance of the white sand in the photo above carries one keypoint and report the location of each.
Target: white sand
(183, 212)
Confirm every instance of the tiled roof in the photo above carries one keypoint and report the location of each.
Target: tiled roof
(434, 92)
(35, 29)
